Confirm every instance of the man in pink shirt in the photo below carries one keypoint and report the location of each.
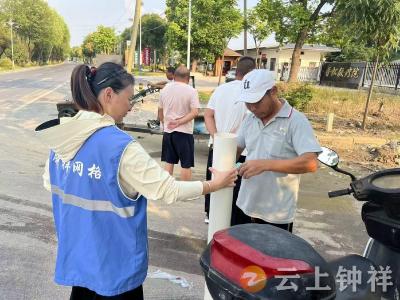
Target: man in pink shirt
(178, 106)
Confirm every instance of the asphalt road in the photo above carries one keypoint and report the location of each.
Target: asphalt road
(176, 233)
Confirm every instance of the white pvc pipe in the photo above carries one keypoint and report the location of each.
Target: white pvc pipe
(224, 158)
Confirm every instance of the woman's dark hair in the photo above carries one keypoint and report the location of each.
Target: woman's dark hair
(87, 83)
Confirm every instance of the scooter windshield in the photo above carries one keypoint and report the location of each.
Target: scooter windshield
(387, 181)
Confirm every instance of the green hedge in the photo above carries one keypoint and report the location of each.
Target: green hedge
(6, 63)
(297, 94)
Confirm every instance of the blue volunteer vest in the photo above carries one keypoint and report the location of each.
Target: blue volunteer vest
(102, 233)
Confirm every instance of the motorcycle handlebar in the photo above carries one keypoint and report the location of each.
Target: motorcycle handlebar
(339, 193)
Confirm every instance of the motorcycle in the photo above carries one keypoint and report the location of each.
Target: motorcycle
(254, 261)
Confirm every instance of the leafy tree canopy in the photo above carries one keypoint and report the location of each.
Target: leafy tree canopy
(214, 23)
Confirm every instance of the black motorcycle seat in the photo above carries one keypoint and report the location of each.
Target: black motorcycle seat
(363, 290)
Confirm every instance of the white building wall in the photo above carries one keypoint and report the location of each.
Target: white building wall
(310, 58)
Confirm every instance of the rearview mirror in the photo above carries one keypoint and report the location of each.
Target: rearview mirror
(328, 157)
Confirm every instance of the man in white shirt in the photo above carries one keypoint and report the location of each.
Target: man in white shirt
(225, 114)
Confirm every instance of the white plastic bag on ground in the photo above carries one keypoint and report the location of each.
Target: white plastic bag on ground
(172, 278)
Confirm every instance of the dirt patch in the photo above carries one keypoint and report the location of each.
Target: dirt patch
(376, 147)
(372, 154)
(386, 156)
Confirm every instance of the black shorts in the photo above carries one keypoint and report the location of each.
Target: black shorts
(178, 146)
(81, 293)
(242, 218)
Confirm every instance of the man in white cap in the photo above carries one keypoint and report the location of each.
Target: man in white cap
(281, 145)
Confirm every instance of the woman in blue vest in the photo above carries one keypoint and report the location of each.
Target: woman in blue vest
(100, 179)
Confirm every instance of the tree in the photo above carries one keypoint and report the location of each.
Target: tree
(297, 21)
(48, 39)
(39, 29)
(258, 27)
(32, 18)
(214, 23)
(153, 32)
(104, 40)
(88, 49)
(4, 38)
(125, 36)
(377, 24)
(20, 52)
(337, 34)
(351, 51)
(76, 52)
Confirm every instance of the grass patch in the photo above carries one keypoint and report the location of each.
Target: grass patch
(384, 108)
(147, 72)
(348, 105)
(204, 96)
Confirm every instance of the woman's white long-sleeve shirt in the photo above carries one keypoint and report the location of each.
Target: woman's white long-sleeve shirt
(138, 172)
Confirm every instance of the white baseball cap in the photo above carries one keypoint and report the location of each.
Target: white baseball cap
(255, 84)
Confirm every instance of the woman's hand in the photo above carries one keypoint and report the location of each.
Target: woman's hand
(223, 179)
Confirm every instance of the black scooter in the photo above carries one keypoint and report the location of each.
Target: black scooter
(255, 261)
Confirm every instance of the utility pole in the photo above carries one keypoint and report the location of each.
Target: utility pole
(131, 55)
(11, 24)
(140, 43)
(245, 27)
(188, 41)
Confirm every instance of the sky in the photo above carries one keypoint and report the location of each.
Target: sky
(83, 16)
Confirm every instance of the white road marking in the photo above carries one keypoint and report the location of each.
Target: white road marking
(38, 97)
(32, 94)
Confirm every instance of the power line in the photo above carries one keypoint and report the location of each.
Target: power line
(151, 29)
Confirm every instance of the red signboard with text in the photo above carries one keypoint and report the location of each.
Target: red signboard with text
(146, 56)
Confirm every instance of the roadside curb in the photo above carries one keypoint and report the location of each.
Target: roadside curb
(30, 68)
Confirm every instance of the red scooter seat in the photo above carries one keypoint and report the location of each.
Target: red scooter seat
(255, 261)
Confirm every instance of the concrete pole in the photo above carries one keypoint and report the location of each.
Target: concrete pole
(329, 122)
(224, 158)
(188, 36)
(11, 24)
(131, 54)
